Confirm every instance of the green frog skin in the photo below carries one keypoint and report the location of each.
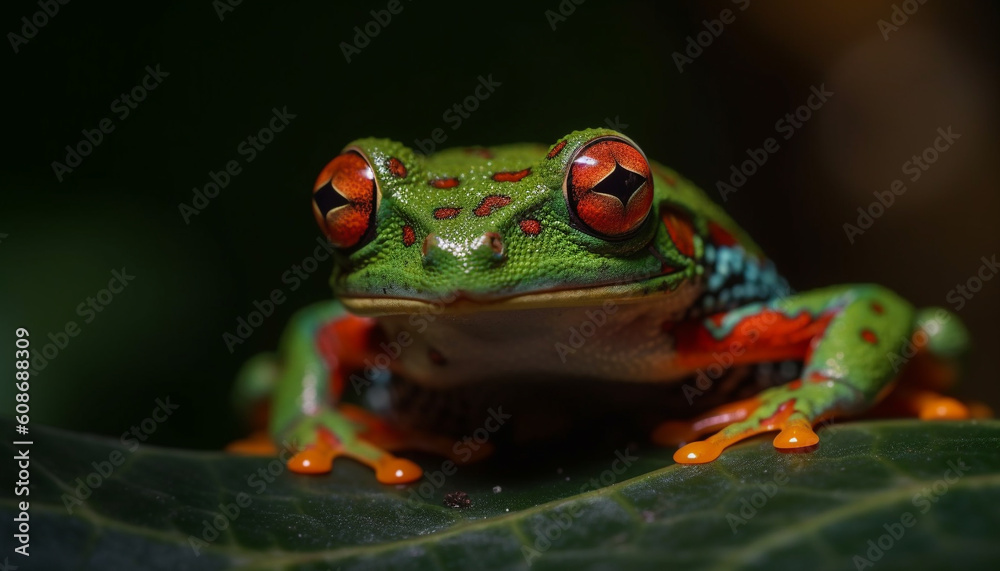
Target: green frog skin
(471, 266)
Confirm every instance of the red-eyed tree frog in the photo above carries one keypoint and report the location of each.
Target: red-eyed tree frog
(580, 264)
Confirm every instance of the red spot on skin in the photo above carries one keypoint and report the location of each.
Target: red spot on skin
(511, 176)
(491, 203)
(556, 149)
(680, 229)
(449, 182)
(794, 385)
(670, 180)
(877, 308)
(869, 336)
(446, 213)
(482, 152)
(531, 227)
(397, 168)
(409, 236)
(721, 236)
(817, 377)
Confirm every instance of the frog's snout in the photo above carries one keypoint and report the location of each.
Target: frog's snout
(486, 250)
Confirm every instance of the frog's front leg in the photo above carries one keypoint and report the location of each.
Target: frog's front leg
(321, 343)
(845, 336)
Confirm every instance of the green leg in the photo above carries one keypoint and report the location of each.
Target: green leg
(254, 383)
(304, 409)
(848, 366)
(302, 386)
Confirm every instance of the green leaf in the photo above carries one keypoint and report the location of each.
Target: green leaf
(935, 485)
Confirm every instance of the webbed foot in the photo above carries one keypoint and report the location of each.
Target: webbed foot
(329, 434)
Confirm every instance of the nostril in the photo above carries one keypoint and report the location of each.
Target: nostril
(494, 242)
(430, 242)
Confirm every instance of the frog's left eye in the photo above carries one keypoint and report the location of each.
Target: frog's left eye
(609, 187)
(345, 199)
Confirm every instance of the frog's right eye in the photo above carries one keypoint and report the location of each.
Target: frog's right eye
(345, 199)
(609, 188)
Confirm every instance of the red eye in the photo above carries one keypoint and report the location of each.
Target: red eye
(345, 199)
(609, 187)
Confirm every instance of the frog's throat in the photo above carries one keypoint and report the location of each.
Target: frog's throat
(592, 296)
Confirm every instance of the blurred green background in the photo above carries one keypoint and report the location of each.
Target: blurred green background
(604, 61)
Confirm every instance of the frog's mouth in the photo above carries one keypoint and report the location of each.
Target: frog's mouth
(463, 302)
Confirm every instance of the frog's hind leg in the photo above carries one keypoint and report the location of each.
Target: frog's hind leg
(320, 348)
(929, 364)
(844, 336)
(254, 383)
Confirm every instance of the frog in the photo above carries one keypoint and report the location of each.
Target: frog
(469, 267)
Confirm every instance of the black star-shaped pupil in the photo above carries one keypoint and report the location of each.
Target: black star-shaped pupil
(621, 183)
(327, 198)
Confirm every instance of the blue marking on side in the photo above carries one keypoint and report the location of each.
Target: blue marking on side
(737, 280)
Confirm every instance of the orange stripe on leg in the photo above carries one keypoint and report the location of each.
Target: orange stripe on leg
(674, 432)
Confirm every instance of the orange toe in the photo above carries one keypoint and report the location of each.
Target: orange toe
(392, 470)
(797, 433)
(943, 408)
(698, 452)
(930, 405)
(313, 460)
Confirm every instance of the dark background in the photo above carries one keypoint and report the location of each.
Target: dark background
(162, 336)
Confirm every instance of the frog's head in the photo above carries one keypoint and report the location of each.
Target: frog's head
(577, 223)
